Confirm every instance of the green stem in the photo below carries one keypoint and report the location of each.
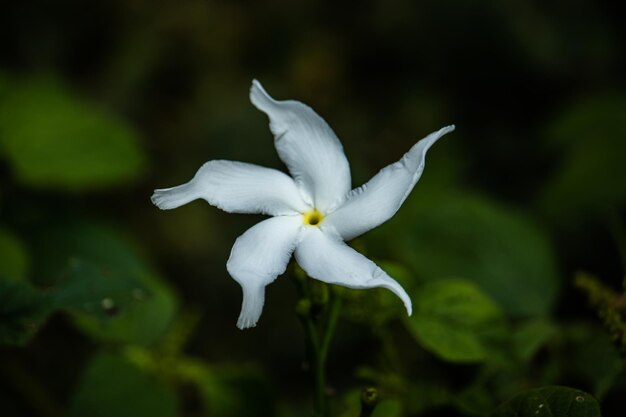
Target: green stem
(322, 355)
(312, 343)
(319, 374)
(333, 318)
(318, 336)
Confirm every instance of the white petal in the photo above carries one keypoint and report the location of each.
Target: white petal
(325, 257)
(308, 146)
(258, 257)
(236, 187)
(380, 198)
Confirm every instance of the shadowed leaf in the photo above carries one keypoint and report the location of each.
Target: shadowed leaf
(550, 402)
(113, 387)
(22, 310)
(97, 291)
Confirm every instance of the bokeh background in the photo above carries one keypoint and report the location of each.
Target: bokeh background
(512, 246)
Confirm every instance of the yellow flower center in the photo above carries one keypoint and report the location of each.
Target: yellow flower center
(312, 218)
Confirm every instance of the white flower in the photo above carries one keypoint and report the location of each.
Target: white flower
(314, 211)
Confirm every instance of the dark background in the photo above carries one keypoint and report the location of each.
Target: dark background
(103, 101)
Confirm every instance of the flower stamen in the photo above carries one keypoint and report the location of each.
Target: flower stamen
(312, 218)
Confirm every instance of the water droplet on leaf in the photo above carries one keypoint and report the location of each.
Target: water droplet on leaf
(107, 303)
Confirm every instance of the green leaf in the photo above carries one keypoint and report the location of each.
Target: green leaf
(228, 391)
(456, 321)
(388, 408)
(589, 137)
(142, 322)
(97, 291)
(149, 303)
(468, 236)
(586, 354)
(530, 336)
(54, 139)
(550, 402)
(112, 387)
(22, 310)
(13, 257)
(475, 400)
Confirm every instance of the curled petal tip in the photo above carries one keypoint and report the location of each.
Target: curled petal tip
(444, 130)
(243, 324)
(406, 300)
(162, 199)
(423, 145)
(259, 97)
(170, 198)
(248, 318)
(392, 285)
(251, 307)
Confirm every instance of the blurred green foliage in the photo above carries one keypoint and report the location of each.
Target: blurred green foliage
(610, 305)
(14, 262)
(109, 307)
(129, 280)
(589, 138)
(53, 139)
(22, 311)
(111, 386)
(456, 321)
(550, 401)
(462, 235)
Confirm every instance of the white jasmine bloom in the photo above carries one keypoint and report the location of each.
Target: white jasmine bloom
(313, 212)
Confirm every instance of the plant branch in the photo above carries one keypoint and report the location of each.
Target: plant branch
(319, 320)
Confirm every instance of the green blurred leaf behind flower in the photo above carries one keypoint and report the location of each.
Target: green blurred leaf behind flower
(55, 139)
